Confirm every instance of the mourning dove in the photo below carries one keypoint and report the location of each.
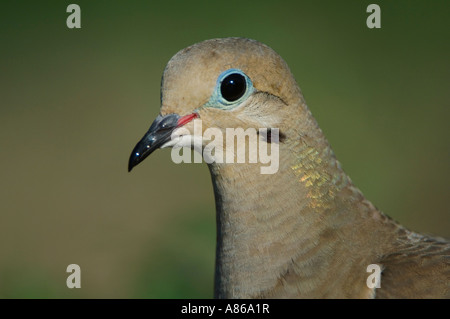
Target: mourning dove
(304, 231)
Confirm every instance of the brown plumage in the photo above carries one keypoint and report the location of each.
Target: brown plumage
(305, 231)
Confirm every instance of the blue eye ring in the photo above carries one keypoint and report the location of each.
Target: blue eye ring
(233, 77)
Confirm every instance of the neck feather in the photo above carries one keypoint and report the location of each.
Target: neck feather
(294, 223)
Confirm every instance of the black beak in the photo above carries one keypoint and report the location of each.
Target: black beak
(159, 133)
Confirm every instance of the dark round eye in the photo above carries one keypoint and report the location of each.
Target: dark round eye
(233, 87)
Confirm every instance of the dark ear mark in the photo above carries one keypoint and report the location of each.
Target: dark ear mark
(281, 136)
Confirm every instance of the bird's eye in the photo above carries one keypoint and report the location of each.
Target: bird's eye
(233, 87)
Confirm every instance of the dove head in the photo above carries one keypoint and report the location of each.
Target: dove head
(226, 83)
(192, 78)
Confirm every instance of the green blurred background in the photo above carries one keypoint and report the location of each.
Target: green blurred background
(74, 102)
